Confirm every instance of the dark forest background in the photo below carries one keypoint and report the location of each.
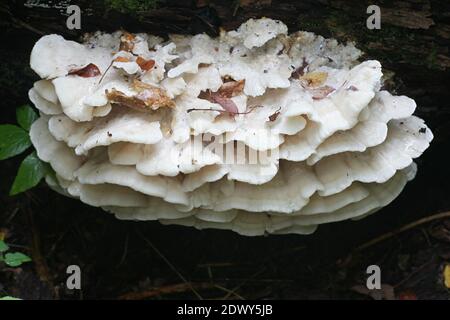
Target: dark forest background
(123, 259)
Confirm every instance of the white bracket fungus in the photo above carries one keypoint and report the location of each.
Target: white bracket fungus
(255, 131)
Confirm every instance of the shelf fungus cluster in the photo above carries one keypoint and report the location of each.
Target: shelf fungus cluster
(256, 131)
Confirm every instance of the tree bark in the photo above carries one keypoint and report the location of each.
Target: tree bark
(412, 43)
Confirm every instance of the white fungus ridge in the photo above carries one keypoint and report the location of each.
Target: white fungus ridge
(256, 131)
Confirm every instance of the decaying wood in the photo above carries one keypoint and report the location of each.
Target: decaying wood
(417, 30)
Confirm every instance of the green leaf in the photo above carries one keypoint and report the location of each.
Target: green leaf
(9, 298)
(15, 259)
(25, 116)
(3, 246)
(31, 171)
(13, 140)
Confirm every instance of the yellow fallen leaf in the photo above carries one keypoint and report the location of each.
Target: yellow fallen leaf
(447, 276)
(314, 79)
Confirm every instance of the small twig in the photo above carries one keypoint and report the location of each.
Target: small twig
(225, 111)
(229, 292)
(27, 26)
(426, 236)
(171, 266)
(175, 288)
(12, 216)
(125, 251)
(40, 264)
(232, 291)
(18, 246)
(409, 226)
(20, 22)
(409, 276)
(236, 8)
(106, 71)
(55, 244)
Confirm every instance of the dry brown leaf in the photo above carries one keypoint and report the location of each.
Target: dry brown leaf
(314, 79)
(121, 59)
(120, 98)
(148, 98)
(126, 42)
(226, 103)
(300, 71)
(204, 65)
(223, 96)
(144, 64)
(275, 115)
(89, 71)
(231, 88)
(140, 86)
